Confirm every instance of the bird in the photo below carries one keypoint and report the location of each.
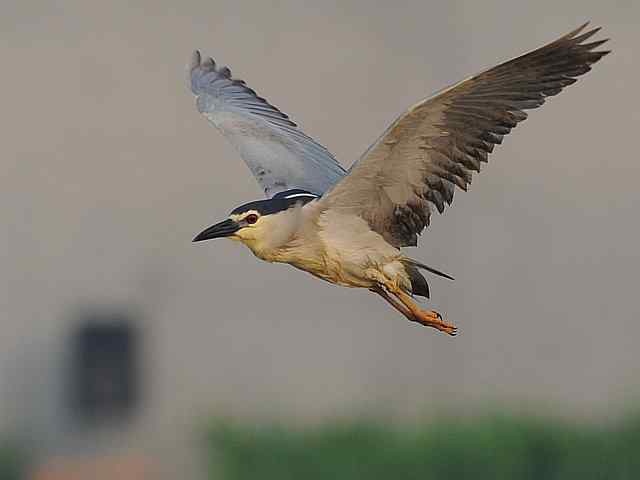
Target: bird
(349, 226)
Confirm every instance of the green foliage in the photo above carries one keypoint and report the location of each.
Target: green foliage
(12, 462)
(493, 448)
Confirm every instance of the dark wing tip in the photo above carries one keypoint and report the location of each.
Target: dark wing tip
(204, 71)
(579, 30)
(209, 65)
(577, 40)
(196, 58)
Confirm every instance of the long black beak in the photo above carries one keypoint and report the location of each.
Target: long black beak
(219, 230)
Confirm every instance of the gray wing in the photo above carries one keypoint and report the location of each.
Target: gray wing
(277, 152)
(438, 142)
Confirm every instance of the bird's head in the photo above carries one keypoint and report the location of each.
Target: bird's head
(262, 225)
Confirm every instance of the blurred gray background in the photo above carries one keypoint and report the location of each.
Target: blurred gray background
(108, 172)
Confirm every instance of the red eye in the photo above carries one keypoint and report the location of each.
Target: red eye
(251, 219)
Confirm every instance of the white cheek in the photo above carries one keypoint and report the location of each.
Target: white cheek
(256, 233)
(241, 234)
(248, 233)
(267, 234)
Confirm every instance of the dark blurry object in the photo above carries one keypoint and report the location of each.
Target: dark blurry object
(105, 367)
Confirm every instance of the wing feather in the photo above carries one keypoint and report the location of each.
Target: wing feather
(440, 141)
(277, 152)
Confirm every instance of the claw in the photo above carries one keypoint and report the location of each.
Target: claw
(449, 330)
(434, 320)
(409, 309)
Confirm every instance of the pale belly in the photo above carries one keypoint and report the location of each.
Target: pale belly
(342, 278)
(350, 272)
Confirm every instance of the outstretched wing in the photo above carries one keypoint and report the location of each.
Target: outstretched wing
(438, 142)
(277, 152)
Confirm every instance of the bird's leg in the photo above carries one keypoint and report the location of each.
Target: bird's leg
(427, 318)
(395, 303)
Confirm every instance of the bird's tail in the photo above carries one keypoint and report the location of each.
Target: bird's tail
(419, 285)
(415, 263)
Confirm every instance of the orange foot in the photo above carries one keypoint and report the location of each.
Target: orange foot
(429, 318)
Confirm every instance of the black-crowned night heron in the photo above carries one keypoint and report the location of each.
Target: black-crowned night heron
(347, 226)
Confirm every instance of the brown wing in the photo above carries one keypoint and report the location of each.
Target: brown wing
(440, 141)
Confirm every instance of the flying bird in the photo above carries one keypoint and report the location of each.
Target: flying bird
(348, 227)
